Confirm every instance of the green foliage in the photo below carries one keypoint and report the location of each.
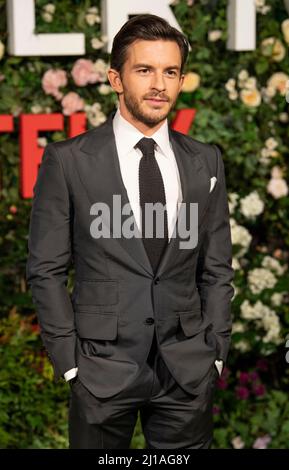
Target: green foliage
(260, 409)
(33, 409)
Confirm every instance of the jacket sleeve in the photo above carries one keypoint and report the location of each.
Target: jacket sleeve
(214, 268)
(49, 258)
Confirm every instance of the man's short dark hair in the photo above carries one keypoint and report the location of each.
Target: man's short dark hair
(149, 28)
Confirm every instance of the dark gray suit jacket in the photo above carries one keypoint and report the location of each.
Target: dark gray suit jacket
(105, 327)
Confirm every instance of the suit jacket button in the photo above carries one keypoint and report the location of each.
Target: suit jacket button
(149, 321)
(156, 280)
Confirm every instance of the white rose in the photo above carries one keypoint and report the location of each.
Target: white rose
(273, 264)
(240, 236)
(277, 187)
(105, 89)
(96, 43)
(47, 17)
(243, 75)
(230, 84)
(233, 95)
(277, 299)
(271, 143)
(251, 205)
(95, 114)
(250, 83)
(49, 8)
(285, 30)
(283, 117)
(214, 35)
(260, 279)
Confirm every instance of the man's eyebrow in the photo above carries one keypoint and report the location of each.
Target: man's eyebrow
(136, 66)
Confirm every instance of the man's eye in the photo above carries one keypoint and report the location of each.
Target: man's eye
(143, 70)
(172, 73)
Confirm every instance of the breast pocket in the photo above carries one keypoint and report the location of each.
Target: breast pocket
(95, 292)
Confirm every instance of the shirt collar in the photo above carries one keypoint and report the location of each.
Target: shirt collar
(128, 135)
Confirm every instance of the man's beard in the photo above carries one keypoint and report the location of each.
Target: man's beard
(135, 110)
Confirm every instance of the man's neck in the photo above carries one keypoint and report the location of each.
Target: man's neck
(140, 126)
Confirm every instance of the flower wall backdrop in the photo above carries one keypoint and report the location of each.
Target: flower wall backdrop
(241, 103)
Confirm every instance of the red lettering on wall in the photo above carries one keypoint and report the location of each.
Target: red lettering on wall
(30, 152)
(31, 124)
(183, 120)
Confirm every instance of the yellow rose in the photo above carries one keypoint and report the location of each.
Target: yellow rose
(2, 49)
(279, 81)
(191, 82)
(251, 98)
(273, 48)
(275, 154)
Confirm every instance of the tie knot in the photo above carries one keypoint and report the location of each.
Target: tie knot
(146, 145)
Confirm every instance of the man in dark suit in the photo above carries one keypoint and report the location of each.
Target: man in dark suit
(147, 326)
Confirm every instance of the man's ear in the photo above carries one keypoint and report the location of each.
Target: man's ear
(115, 80)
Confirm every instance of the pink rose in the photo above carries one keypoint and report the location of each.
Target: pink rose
(253, 376)
(242, 393)
(52, 80)
(83, 72)
(259, 389)
(216, 410)
(225, 372)
(222, 381)
(243, 378)
(72, 103)
(277, 254)
(13, 209)
(262, 442)
(262, 364)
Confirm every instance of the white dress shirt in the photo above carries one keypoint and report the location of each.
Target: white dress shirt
(126, 137)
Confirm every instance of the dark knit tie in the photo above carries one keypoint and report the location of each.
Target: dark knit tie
(151, 190)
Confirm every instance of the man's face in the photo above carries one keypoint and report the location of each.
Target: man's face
(150, 80)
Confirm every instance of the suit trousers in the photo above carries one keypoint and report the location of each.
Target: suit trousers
(171, 418)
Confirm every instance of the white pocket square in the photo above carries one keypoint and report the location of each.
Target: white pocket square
(219, 365)
(213, 182)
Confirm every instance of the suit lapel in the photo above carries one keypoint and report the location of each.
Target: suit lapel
(100, 173)
(98, 167)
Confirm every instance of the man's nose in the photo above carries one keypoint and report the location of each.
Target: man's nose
(158, 81)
